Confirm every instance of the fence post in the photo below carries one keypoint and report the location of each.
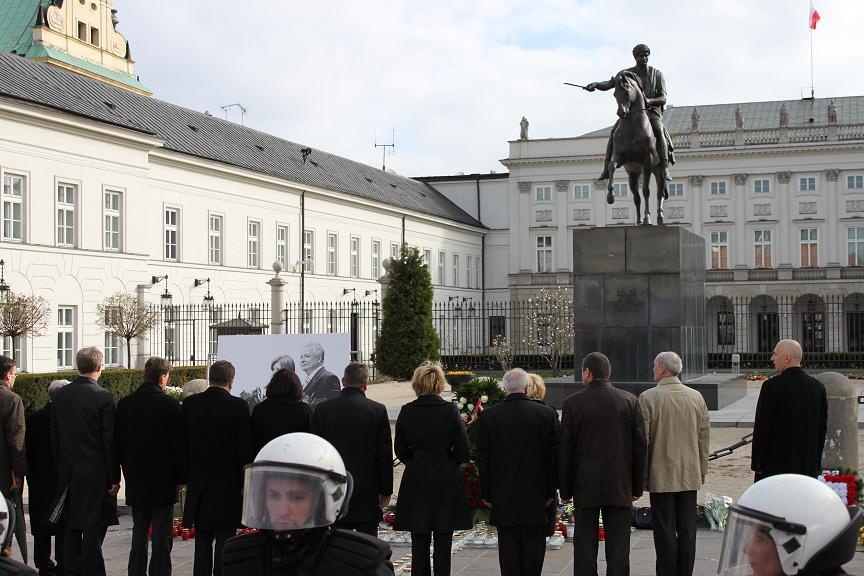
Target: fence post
(277, 300)
(142, 343)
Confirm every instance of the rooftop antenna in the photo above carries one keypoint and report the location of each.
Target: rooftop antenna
(385, 146)
(237, 105)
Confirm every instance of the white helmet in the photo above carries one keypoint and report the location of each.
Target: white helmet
(791, 523)
(7, 523)
(297, 482)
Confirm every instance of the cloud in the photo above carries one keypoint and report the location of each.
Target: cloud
(458, 76)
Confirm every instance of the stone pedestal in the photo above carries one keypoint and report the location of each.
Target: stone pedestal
(841, 440)
(637, 291)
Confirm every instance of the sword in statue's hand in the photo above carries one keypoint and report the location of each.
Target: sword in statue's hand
(576, 85)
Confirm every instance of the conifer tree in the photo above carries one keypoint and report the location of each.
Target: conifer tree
(407, 336)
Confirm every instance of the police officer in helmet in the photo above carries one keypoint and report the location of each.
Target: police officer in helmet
(8, 566)
(294, 491)
(788, 525)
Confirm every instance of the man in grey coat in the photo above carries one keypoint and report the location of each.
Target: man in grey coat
(677, 428)
(82, 435)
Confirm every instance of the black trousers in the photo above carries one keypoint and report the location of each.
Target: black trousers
(160, 518)
(420, 544)
(82, 552)
(521, 550)
(204, 564)
(370, 528)
(42, 551)
(616, 523)
(673, 517)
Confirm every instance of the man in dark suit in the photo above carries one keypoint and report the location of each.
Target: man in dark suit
(360, 430)
(602, 463)
(13, 460)
(82, 436)
(320, 384)
(217, 445)
(517, 455)
(791, 418)
(146, 442)
(41, 484)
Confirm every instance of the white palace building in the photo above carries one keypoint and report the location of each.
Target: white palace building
(107, 189)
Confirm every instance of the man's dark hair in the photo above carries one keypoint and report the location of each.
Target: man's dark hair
(356, 374)
(155, 368)
(598, 365)
(221, 373)
(639, 48)
(6, 365)
(88, 360)
(284, 384)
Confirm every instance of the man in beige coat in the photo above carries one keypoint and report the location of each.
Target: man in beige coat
(677, 427)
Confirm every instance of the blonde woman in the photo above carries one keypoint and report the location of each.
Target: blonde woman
(536, 387)
(431, 442)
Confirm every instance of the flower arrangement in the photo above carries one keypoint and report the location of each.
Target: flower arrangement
(471, 397)
(846, 483)
(175, 392)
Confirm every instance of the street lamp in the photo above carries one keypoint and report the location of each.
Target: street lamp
(4, 287)
(208, 299)
(165, 296)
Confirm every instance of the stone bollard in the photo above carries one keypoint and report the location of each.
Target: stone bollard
(841, 441)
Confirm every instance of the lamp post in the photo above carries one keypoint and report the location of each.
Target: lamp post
(208, 299)
(165, 296)
(4, 287)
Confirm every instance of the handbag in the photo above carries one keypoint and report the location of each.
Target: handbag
(641, 517)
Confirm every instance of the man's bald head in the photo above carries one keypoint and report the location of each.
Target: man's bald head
(787, 353)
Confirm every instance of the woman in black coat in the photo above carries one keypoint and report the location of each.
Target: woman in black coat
(282, 411)
(431, 442)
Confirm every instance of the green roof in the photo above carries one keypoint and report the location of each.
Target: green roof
(89, 66)
(17, 18)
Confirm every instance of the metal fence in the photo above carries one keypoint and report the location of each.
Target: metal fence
(830, 327)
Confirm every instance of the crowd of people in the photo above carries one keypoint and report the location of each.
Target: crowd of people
(312, 481)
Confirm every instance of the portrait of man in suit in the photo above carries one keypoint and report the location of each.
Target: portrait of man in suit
(319, 384)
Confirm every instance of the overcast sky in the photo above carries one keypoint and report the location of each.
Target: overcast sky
(458, 75)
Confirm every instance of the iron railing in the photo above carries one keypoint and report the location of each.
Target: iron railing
(829, 326)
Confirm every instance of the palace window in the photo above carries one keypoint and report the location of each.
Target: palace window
(762, 248)
(809, 247)
(719, 250)
(544, 254)
(14, 186)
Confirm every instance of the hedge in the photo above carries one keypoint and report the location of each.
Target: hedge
(33, 388)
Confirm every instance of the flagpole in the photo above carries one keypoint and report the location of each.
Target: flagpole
(812, 88)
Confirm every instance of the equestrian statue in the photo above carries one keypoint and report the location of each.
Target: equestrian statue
(639, 142)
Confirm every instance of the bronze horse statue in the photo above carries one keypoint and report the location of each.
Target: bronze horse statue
(634, 147)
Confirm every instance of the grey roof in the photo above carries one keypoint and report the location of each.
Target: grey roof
(204, 136)
(757, 115)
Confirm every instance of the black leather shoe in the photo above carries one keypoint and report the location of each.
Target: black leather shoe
(604, 175)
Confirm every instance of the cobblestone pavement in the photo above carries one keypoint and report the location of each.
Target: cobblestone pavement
(467, 562)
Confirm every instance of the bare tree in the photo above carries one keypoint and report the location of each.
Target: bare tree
(549, 325)
(126, 316)
(22, 315)
(502, 351)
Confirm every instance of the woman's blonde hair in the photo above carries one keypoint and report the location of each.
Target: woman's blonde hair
(536, 387)
(428, 379)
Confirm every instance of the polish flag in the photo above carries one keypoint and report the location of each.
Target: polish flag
(814, 16)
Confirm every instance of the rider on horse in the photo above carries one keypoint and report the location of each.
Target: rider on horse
(654, 89)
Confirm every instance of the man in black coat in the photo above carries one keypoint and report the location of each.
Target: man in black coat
(360, 430)
(319, 384)
(791, 418)
(41, 484)
(217, 444)
(82, 436)
(602, 466)
(517, 456)
(147, 444)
